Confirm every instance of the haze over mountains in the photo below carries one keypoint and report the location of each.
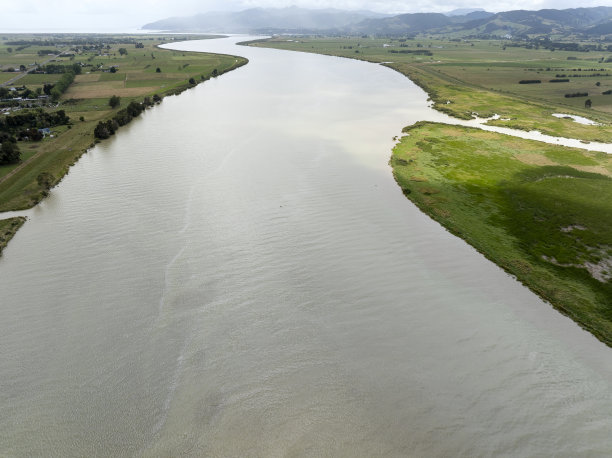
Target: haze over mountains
(264, 19)
(463, 22)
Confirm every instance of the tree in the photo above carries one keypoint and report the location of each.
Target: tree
(22, 68)
(34, 134)
(113, 69)
(134, 108)
(588, 103)
(60, 118)
(158, 70)
(9, 152)
(105, 129)
(122, 117)
(9, 50)
(114, 101)
(123, 51)
(192, 81)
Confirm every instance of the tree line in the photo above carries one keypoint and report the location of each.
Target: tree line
(53, 69)
(62, 85)
(30, 119)
(105, 129)
(420, 52)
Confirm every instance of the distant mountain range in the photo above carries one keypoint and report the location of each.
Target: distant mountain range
(463, 11)
(544, 22)
(417, 23)
(265, 19)
(464, 22)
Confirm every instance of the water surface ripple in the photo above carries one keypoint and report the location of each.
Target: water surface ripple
(237, 274)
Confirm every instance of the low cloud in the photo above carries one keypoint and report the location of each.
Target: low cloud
(106, 15)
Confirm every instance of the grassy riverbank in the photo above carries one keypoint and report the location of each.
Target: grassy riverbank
(482, 77)
(132, 67)
(8, 229)
(536, 210)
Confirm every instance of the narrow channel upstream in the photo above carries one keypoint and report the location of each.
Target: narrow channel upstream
(236, 273)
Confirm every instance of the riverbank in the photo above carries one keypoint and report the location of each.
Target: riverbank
(465, 78)
(529, 207)
(8, 229)
(134, 68)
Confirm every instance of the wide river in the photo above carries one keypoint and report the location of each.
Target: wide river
(236, 273)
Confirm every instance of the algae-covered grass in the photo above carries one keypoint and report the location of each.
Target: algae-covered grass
(542, 212)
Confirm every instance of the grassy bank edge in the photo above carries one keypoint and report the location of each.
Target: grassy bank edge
(510, 267)
(240, 62)
(8, 229)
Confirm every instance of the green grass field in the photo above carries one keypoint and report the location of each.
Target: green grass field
(480, 76)
(536, 210)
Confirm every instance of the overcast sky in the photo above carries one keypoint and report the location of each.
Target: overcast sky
(126, 15)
